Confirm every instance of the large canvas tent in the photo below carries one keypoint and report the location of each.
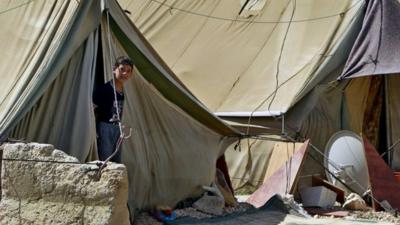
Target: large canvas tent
(52, 55)
(275, 64)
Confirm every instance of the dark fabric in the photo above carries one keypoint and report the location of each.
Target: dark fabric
(377, 48)
(104, 99)
(108, 135)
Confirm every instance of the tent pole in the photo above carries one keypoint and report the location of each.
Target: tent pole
(387, 121)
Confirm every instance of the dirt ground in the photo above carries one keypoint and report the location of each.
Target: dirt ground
(355, 217)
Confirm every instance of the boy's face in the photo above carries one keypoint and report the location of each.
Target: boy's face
(123, 73)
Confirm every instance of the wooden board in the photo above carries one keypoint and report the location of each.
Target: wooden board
(383, 183)
(282, 152)
(282, 180)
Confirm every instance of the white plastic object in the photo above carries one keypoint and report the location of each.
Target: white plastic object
(318, 196)
(345, 158)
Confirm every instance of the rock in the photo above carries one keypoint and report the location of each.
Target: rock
(354, 202)
(42, 185)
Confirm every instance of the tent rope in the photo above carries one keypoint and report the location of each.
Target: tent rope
(278, 64)
(121, 127)
(112, 56)
(171, 7)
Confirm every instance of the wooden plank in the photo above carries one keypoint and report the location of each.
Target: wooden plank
(383, 183)
(282, 181)
(281, 153)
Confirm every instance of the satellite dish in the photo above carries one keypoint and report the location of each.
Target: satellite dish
(345, 158)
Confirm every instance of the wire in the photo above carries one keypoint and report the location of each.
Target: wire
(254, 21)
(278, 64)
(44, 161)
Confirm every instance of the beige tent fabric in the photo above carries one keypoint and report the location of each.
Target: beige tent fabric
(169, 154)
(64, 114)
(234, 64)
(35, 51)
(26, 30)
(246, 165)
(253, 165)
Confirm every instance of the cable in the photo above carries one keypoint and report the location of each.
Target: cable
(254, 21)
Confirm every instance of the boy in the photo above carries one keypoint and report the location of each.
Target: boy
(108, 100)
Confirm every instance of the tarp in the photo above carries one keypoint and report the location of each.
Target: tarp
(377, 48)
(50, 54)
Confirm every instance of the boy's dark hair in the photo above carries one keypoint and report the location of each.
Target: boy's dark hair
(123, 60)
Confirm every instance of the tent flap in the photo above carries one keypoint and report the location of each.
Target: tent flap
(377, 48)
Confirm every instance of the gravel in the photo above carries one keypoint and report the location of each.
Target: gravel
(144, 218)
(375, 216)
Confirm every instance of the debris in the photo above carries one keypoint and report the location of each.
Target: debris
(210, 204)
(294, 206)
(355, 202)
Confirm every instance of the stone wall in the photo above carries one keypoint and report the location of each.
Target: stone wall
(35, 191)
